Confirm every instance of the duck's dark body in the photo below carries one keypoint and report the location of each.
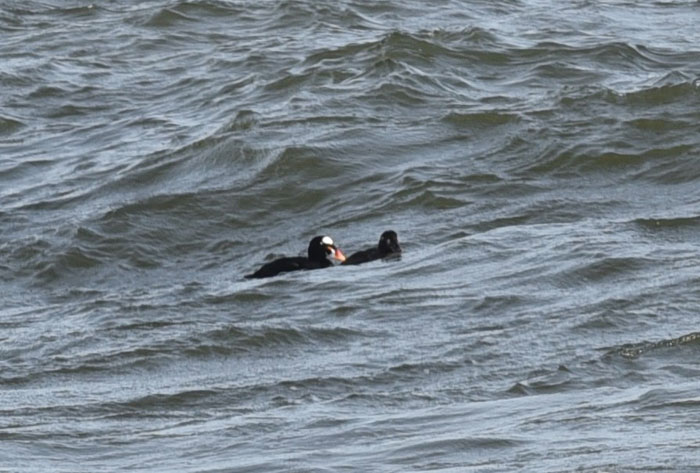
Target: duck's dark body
(287, 264)
(321, 248)
(388, 246)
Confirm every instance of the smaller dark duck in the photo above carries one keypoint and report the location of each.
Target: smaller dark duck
(321, 251)
(388, 246)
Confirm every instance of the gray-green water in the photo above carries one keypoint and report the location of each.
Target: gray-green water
(540, 162)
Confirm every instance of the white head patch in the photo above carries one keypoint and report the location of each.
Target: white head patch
(326, 240)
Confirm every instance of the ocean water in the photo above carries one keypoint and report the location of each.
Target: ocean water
(539, 160)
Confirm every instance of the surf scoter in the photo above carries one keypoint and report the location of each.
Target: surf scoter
(321, 251)
(388, 246)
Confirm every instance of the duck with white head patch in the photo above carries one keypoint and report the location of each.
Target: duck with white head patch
(321, 254)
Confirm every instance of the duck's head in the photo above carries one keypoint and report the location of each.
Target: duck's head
(389, 242)
(322, 248)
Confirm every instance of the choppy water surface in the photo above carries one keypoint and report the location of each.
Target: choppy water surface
(539, 161)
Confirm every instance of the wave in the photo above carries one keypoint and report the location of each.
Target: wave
(630, 364)
(664, 224)
(667, 163)
(673, 399)
(9, 125)
(670, 88)
(32, 7)
(492, 120)
(149, 343)
(398, 66)
(661, 347)
(655, 96)
(266, 339)
(547, 381)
